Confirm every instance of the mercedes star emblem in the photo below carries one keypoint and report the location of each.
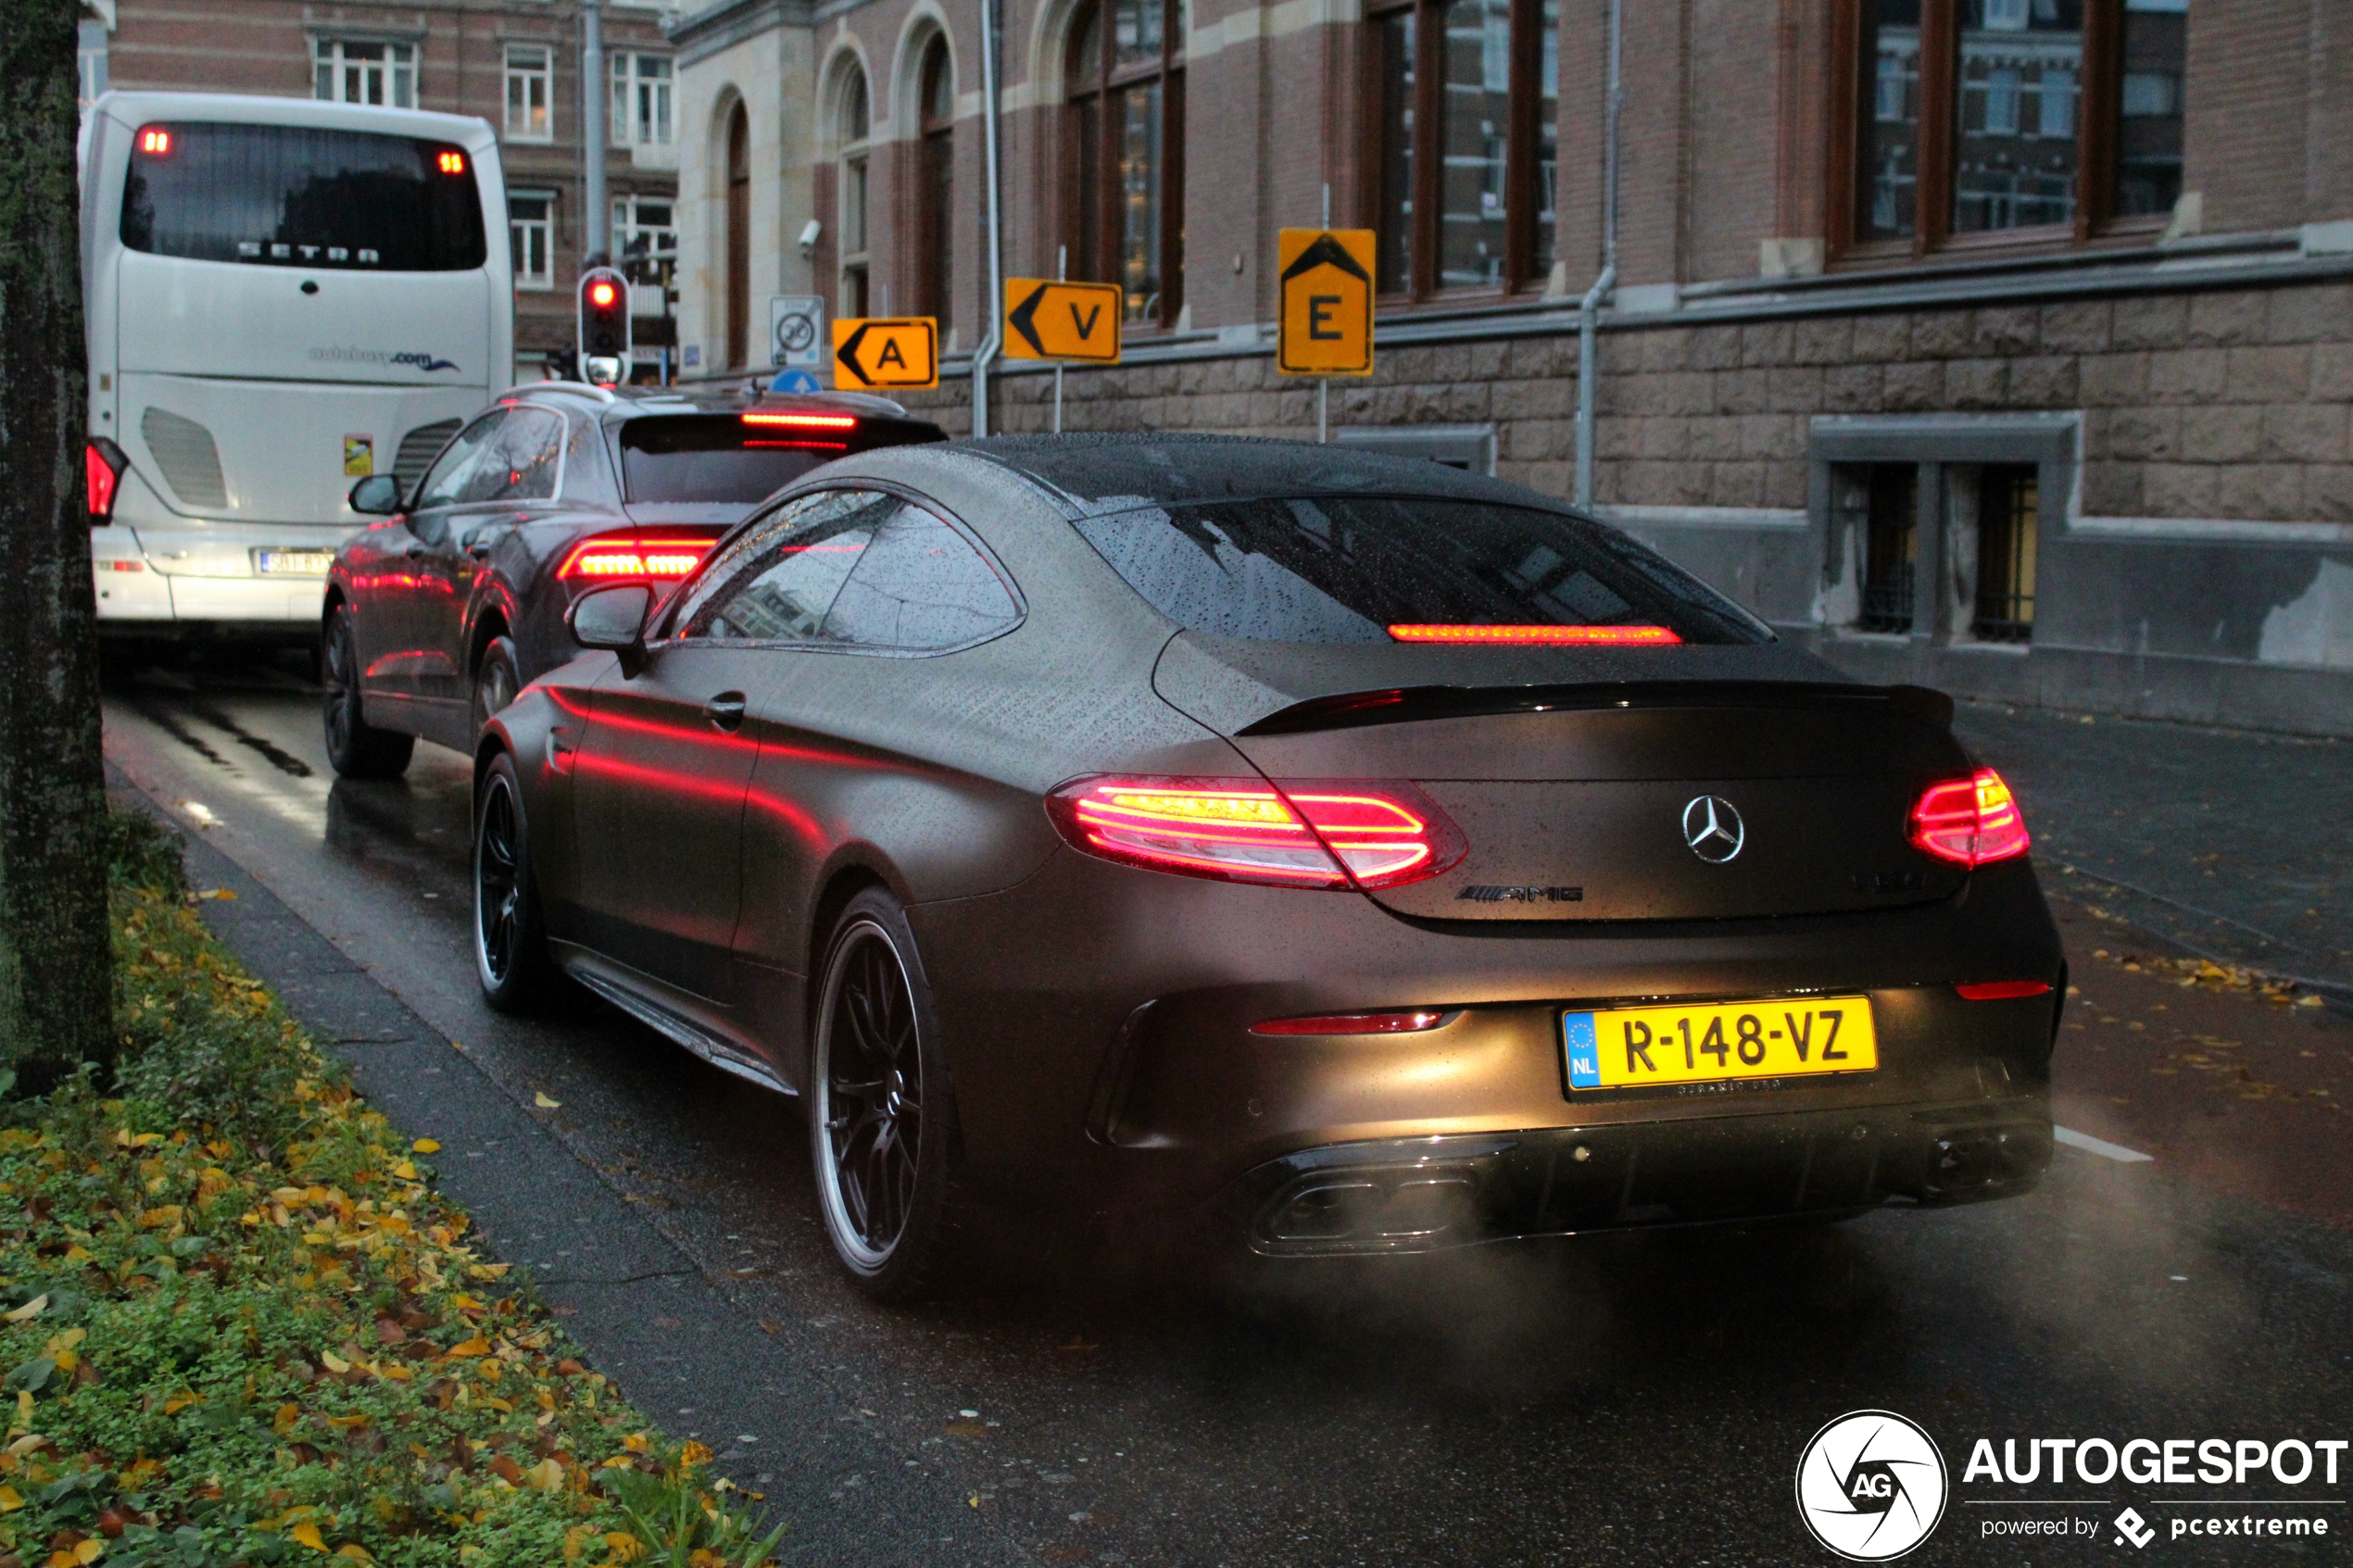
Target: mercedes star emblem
(1713, 828)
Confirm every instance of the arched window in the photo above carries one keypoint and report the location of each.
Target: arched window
(936, 187)
(738, 238)
(854, 123)
(1127, 152)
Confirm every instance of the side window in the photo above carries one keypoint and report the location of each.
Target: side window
(587, 474)
(445, 483)
(777, 580)
(522, 463)
(919, 585)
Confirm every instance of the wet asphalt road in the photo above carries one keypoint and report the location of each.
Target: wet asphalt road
(1620, 1399)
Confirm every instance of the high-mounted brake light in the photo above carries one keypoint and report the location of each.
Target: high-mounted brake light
(1293, 833)
(155, 141)
(614, 558)
(1969, 821)
(103, 463)
(1409, 1022)
(2002, 990)
(803, 421)
(451, 162)
(1540, 636)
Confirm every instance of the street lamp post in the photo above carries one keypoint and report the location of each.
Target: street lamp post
(593, 93)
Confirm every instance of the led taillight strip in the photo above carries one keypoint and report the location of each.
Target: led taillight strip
(611, 557)
(1311, 835)
(1540, 636)
(1969, 821)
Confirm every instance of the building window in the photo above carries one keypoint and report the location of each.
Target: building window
(936, 187)
(1877, 504)
(2009, 499)
(90, 60)
(527, 94)
(1127, 131)
(641, 86)
(738, 238)
(366, 73)
(1464, 147)
(644, 229)
(853, 124)
(531, 229)
(2148, 131)
(1996, 119)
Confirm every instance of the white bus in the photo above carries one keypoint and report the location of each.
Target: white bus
(283, 296)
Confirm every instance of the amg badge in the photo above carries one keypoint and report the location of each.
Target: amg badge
(1481, 894)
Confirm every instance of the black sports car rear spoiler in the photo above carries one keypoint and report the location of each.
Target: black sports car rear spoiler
(1403, 705)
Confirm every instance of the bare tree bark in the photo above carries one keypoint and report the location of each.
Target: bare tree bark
(56, 962)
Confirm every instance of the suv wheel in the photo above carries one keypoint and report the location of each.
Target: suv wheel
(357, 748)
(497, 677)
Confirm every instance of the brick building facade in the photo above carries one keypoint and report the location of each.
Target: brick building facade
(514, 63)
(2006, 345)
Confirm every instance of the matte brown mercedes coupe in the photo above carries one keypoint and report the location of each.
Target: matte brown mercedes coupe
(1354, 853)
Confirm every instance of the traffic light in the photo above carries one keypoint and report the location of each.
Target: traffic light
(604, 324)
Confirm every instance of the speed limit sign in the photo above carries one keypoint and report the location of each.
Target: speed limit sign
(797, 332)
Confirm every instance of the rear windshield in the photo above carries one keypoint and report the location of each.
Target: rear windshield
(1371, 569)
(293, 196)
(712, 458)
(733, 457)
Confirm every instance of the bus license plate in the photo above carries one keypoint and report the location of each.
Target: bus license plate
(1717, 1042)
(294, 563)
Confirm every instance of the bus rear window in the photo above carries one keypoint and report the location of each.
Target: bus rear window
(294, 196)
(1358, 568)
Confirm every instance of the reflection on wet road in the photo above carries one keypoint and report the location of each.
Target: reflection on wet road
(1641, 1398)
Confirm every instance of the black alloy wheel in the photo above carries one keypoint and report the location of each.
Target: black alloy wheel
(881, 1110)
(356, 748)
(511, 945)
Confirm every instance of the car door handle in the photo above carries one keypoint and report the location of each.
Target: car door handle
(478, 552)
(726, 710)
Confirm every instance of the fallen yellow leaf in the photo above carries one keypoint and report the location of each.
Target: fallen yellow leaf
(355, 1551)
(477, 1345)
(426, 1145)
(543, 1102)
(30, 1311)
(307, 1534)
(90, 1550)
(9, 1500)
(334, 1363)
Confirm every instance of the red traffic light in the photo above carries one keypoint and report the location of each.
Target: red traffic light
(602, 293)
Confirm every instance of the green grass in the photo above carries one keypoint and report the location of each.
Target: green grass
(244, 1329)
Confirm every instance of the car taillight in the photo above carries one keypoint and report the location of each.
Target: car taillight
(103, 464)
(1540, 636)
(615, 558)
(1412, 1021)
(1969, 821)
(2001, 990)
(1293, 833)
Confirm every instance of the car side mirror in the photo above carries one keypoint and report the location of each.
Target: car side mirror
(376, 496)
(612, 618)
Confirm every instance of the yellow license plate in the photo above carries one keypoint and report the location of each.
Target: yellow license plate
(1633, 1047)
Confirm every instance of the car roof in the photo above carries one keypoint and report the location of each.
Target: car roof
(1116, 471)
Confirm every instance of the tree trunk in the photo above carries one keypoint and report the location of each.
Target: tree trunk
(56, 964)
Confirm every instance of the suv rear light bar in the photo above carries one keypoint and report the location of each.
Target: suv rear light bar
(1540, 636)
(616, 557)
(1330, 833)
(1969, 821)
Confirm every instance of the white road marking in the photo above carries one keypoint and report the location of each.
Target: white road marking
(2086, 1142)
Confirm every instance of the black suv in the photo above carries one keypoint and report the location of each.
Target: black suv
(437, 616)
